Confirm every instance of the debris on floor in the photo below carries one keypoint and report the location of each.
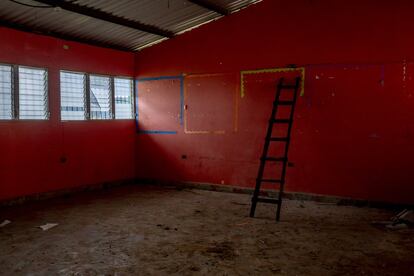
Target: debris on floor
(327, 203)
(124, 231)
(406, 216)
(222, 250)
(242, 224)
(397, 226)
(402, 220)
(48, 226)
(239, 203)
(4, 223)
(166, 227)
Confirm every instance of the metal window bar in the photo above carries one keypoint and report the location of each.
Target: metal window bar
(33, 94)
(15, 91)
(123, 98)
(100, 97)
(6, 92)
(72, 96)
(113, 97)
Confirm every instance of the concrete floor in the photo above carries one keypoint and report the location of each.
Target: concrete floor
(144, 230)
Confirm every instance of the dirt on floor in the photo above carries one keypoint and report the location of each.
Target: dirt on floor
(146, 230)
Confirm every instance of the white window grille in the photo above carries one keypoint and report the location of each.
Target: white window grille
(6, 92)
(123, 98)
(72, 96)
(33, 101)
(100, 97)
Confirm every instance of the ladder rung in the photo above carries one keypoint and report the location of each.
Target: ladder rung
(284, 103)
(288, 86)
(270, 180)
(278, 139)
(278, 159)
(267, 200)
(281, 121)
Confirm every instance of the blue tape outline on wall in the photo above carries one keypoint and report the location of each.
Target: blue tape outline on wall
(181, 78)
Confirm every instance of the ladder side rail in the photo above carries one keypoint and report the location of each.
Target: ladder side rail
(265, 150)
(284, 165)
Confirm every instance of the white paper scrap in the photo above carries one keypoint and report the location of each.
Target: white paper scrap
(5, 222)
(47, 226)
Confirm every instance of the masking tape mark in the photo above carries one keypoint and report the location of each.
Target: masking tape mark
(157, 132)
(206, 75)
(272, 70)
(136, 105)
(181, 100)
(160, 78)
(181, 79)
(236, 110)
(220, 132)
(204, 131)
(185, 110)
(302, 84)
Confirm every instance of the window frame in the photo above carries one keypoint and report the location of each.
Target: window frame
(12, 96)
(88, 96)
(85, 88)
(133, 93)
(17, 87)
(15, 93)
(111, 96)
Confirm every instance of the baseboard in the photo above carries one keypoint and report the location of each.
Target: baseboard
(64, 192)
(205, 186)
(328, 199)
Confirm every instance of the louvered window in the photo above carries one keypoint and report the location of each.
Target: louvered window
(33, 102)
(6, 92)
(123, 98)
(100, 97)
(72, 96)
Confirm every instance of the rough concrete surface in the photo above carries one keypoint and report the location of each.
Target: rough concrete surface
(147, 230)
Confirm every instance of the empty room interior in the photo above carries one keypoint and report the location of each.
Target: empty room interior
(206, 137)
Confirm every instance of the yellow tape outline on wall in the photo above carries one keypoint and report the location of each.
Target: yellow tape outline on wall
(272, 70)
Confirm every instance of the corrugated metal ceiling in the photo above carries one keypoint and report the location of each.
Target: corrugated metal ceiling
(174, 16)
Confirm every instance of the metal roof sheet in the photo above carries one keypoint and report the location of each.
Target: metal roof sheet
(175, 16)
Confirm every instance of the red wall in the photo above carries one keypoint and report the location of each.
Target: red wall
(31, 151)
(354, 127)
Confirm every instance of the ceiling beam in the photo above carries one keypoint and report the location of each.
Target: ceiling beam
(211, 6)
(91, 42)
(105, 16)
